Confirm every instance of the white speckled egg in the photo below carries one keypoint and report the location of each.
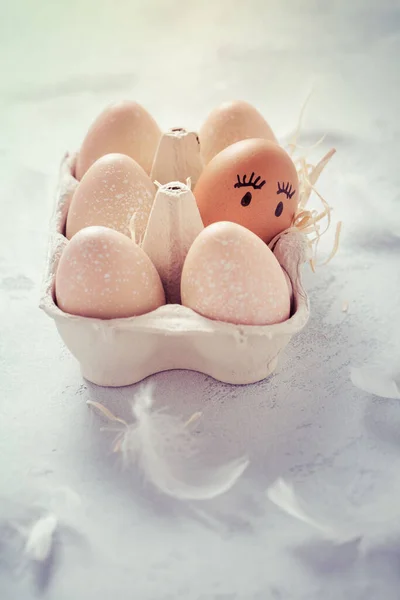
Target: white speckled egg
(105, 275)
(229, 123)
(113, 189)
(231, 275)
(124, 127)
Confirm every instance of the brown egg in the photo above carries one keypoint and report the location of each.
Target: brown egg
(253, 183)
(231, 275)
(111, 191)
(105, 275)
(124, 127)
(229, 123)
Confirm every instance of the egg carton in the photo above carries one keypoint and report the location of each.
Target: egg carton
(123, 351)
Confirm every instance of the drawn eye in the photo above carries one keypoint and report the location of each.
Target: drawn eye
(286, 188)
(279, 209)
(246, 199)
(254, 183)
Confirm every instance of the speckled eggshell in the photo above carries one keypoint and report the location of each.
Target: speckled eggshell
(124, 127)
(113, 189)
(253, 183)
(231, 275)
(229, 123)
(103, 274)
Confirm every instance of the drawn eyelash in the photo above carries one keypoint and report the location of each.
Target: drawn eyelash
(251, 183)
(286, 189)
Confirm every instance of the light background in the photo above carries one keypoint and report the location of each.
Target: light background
(60, 64)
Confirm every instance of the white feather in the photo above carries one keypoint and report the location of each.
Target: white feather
(40, 538)
(375, 381)
(282, 494)
(169, 456)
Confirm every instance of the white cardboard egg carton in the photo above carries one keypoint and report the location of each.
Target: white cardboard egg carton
(120, 352)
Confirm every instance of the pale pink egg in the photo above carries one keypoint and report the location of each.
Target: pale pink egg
(231, 275)
(103, 274)
(110, 193)
(229, 123)
(124, 127)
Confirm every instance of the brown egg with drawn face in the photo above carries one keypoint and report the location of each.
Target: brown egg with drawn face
(253, 183)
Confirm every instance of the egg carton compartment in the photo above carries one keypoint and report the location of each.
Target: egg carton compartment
(123, 351)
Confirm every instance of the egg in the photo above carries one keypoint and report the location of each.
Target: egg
(253, 183)
(229, 123)
(231, 275)
(103, 274)
(124, 127)
(111, 191)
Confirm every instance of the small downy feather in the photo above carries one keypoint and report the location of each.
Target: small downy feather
(282, 494)
(168, 454)
(40, 538)
(375, 381)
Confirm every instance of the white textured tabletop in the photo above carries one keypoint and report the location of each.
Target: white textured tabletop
(339, 447)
